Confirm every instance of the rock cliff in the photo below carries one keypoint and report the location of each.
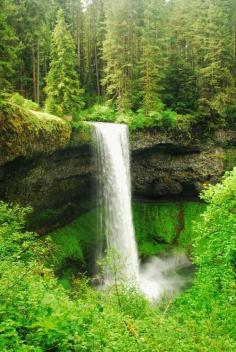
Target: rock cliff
(174, 163)
(48, 165)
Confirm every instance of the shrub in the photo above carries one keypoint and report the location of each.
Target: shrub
(102, 113)
(212, 296)
(37, 314)
(169, 119)
(17, 99)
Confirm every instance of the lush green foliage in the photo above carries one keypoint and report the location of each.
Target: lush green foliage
(162, 119)
(214, 248)
(74, 246)
(103, 113)
(151, 57)
(37, 314)
(165, 225)
(214, 253)
(63, 87)
(21, 101)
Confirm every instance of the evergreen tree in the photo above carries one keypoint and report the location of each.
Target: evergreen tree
(33, 21)
(120, 51)
(180, 84)
(214, 55)
(153, 54)
(64, 95)
(75, 17)
(8, 47)
(93, 40)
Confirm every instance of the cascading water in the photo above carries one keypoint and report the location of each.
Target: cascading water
(114, 196)
(157, 276)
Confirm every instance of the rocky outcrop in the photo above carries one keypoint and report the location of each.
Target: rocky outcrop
(60, 181)
(25, 133)
(174, 163)
(47, 164)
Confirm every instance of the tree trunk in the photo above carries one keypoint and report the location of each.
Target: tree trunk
(34, 74)
(38, 75)
(97, 72)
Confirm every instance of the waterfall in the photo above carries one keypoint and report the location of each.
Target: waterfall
(114, 200)
(157, 276)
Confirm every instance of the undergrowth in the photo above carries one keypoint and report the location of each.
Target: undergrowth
(38, 314)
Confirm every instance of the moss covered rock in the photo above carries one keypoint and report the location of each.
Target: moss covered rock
(164, 225)
(24, 133)
(44, 163)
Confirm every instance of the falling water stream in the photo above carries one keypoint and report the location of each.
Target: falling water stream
(114, 195)
(115, 223)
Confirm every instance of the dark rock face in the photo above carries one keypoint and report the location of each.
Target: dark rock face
(167, 173)
(167, 164)
(59, 185)
(60, 181)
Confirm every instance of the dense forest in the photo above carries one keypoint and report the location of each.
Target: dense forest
(159, 175)
(150, 57)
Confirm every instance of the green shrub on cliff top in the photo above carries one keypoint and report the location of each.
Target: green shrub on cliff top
(102, 113)
(17, 99)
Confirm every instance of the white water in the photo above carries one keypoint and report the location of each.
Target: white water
(114, 193)
(162, 276)
(156, 277)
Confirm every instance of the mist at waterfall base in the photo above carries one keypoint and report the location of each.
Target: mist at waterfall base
(157, 276)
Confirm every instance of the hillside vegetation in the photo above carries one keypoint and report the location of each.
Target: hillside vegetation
(38, 314)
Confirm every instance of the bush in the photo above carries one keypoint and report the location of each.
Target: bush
(162, 119)
(215, 250)
(212, 296)
(17, 99)
(37, 314)
(102, 113)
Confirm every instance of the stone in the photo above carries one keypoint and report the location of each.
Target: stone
(52, 170)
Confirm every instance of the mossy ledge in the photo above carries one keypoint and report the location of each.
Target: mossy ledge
(25, 133)
(46, 163)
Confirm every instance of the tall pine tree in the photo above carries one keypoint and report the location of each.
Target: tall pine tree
(120, 51)
(214, 56)
(64, 95)
(180, 84)
(153, 54)
(9, 47)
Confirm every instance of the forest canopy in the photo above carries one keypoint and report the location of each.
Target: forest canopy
(150, 57)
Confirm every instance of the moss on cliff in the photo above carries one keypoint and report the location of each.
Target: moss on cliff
(74, 246)
(161, 225)
(25, 132)
(230, 158)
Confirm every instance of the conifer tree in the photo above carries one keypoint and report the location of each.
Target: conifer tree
(33, 21)
(180, 84)
(119, 51)
(93, 40)
(214, 55)
(64, 95)
(8, 47)
(153, 54)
